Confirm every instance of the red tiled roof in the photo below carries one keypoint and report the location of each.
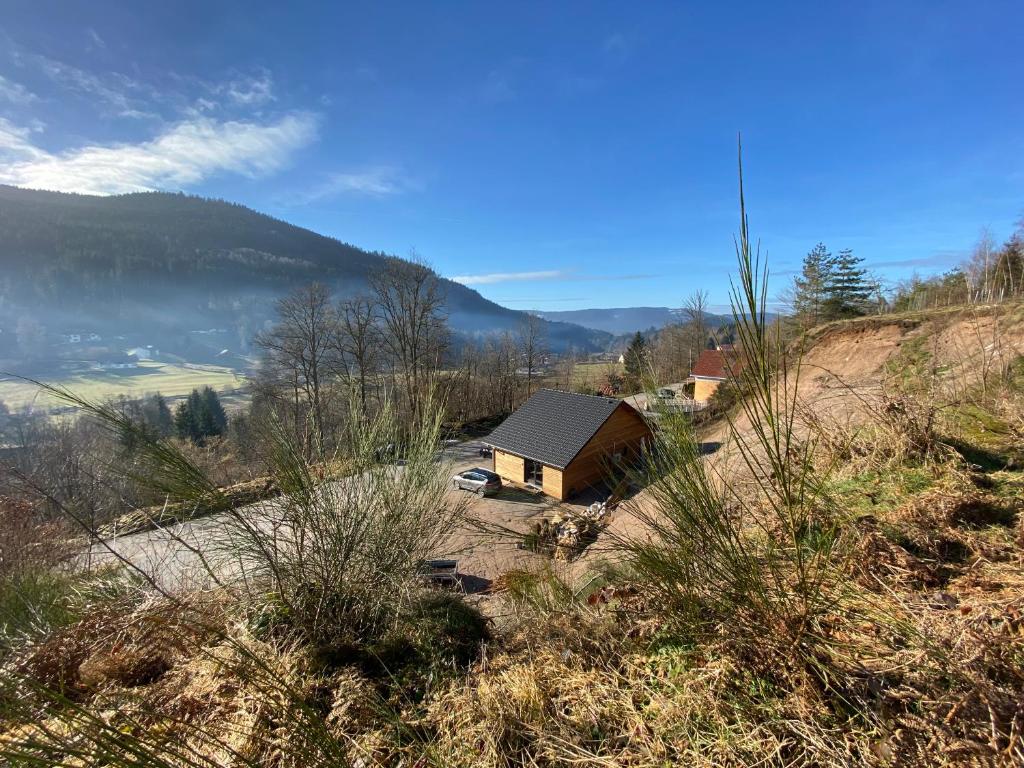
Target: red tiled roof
(711, 364)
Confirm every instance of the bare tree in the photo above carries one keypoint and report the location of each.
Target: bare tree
(696, 309)
(302, 349)
(567, 370)
(359, 340)
(411, 303)
(506, 353)
(532, 347)
(678, 346)
(979, 269)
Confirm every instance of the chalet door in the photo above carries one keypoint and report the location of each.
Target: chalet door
(533, 473)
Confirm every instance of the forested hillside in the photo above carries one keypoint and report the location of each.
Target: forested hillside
(156, 266)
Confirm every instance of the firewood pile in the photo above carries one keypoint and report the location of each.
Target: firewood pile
(565, 536)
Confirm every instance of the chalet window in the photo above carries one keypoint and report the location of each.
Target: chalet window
(533, 473)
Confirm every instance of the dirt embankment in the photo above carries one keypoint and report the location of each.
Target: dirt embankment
(959, 346)
(846, 365)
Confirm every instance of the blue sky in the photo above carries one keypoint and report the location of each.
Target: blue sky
(554, 156)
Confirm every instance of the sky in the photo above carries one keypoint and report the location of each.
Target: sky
(550, 155)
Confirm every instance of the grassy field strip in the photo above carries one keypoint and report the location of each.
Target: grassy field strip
(170, 380)
(592, 375)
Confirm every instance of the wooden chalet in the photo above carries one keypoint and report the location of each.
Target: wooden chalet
(563, 443)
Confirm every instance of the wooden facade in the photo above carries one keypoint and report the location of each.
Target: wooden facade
(620, 437)
(703, 389)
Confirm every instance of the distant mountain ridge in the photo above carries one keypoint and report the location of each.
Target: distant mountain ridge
(620, 320)
(160, 266)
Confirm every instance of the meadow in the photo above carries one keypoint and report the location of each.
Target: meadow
(590, 376)
(171, 380)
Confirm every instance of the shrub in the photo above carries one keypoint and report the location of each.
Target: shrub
(712, 551)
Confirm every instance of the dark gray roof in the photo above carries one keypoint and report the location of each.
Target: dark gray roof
(552, 427)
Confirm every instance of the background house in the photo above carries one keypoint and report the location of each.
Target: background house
(562, 442)
(115, 361)
(711, 369)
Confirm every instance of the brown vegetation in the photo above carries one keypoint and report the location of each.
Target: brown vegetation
(839, 585)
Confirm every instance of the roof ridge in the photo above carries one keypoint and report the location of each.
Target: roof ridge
(553, 430)
(578, 394)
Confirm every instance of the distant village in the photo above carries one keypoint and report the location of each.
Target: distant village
(77, 350)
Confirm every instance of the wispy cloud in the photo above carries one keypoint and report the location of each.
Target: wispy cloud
(379, 181)
(95, 41)
(510, 277)
(121, 95)
(15, 144)
(943, 258)
(15, 93)
(251, 91)
(559, 300)
(180, 156)
(491, 278)
(117, 92)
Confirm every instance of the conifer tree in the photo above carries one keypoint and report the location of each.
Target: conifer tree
(636, 359)
(213, 413)
(849, 289)
(811, 288)
(200, 416)
(185, 425)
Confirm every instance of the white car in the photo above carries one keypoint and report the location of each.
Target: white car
(480, 481)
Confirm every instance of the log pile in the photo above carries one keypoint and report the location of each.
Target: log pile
(565, 536)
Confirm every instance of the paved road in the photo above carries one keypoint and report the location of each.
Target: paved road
(181, 556)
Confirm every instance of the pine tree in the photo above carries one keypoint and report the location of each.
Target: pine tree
(200, 416)
(214, 419)
(185, 425)
(849, 289)
(636, 359)
(811, 288)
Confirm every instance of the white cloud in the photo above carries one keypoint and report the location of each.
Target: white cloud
(96, 42)
(382, 181)
(15, 144)
(251, 91)
(115, 91)
(15, 93)
(552, 274)
(182, 155)
(509, 277)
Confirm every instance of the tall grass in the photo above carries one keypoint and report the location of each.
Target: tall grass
(327, 574)
(716, 547)
(337, 556)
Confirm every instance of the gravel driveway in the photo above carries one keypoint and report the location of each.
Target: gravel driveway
(178, 556)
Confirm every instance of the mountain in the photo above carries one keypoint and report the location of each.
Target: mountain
(622, 320)
(191, 275)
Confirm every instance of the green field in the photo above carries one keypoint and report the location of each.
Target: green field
(591, 375)
(170, 380)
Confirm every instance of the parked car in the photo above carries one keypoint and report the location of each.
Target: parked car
(480, 481)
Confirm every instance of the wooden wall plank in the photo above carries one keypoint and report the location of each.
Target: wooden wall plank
(553, 482)
(622, 432)
(509, 466)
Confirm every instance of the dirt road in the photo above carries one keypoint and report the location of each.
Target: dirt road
(180, 557)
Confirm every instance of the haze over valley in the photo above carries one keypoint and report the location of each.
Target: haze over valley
(89, 278)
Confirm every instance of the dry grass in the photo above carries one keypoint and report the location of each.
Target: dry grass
(865, 609)
(929, 672)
